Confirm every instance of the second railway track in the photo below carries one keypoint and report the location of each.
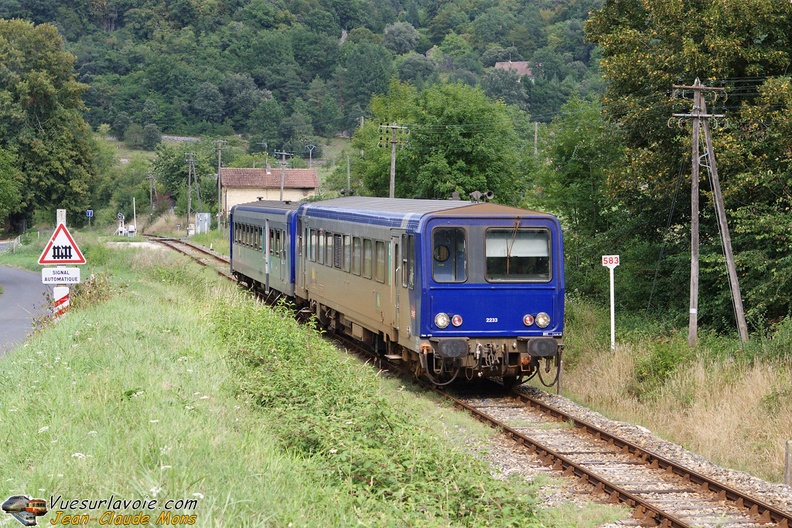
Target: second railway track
(661, 491)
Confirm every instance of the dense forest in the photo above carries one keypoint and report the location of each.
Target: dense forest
(588, 134)
(277, 70)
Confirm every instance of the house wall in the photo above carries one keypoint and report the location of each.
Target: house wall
(232, 197)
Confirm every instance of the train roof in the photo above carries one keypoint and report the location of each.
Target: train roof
(392, 211)
(270, 205)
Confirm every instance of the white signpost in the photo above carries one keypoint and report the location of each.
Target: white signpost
(610, 262)
(61, 249)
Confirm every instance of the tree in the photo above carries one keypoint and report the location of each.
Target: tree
(151, 136)
(744, 46)
(400, 37)
(40, 105)
(506, 86)
(242, 96)
(149, 112)
(415, 67)
(460, 141)
(10, 183)
(171, 169)
(366, 70)
(208, 103)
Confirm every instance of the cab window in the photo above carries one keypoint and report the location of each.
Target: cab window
(518, 254)
(449, 254)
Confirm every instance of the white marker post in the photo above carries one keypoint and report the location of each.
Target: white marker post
(610, 262)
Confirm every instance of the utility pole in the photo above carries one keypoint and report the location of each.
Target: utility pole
(152, 190)
(310, 148)
(192, 176)
(536, 138)
(397, 137)
(219, 143)
(283, 155)
(701, 121)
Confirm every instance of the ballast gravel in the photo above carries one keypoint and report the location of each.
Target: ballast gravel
(508, 459)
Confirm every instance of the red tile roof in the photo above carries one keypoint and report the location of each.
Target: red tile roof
(259, 179)
(519, 67)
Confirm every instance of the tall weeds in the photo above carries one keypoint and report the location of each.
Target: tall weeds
(729, 403)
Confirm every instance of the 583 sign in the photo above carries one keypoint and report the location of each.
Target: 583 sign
(610, 261)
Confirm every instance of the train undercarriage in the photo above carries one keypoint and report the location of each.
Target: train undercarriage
(446, 360)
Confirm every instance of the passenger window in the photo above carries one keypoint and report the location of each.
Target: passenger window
(367, 258)
(338, 251)
(347, 252)
(382, 262)
(329, 249)
(518, 255)
(408, 261)
(313, 242)
(321, 247)
(357, 254)
(449, 254)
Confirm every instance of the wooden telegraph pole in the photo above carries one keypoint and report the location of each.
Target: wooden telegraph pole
(701, 120)
(395, 139)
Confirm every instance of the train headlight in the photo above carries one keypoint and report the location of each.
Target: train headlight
(456, 320)
(528, 319)
(442, 320)
(542, 320)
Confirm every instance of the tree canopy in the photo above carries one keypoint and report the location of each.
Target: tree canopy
(743, 47)
(452, 138)
(41, 120)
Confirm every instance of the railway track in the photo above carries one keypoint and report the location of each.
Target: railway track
(661, 492)
(203, 256)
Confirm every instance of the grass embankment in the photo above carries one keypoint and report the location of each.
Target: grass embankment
(730, 404)
(165, 383)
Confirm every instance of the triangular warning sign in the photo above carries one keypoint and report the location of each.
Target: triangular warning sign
(61, 249)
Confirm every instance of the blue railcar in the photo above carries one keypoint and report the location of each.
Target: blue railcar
(262, 246)
(455, 289)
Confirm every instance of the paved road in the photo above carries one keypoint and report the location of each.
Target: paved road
(20, 301)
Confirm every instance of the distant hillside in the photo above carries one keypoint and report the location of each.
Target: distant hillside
(281, 70)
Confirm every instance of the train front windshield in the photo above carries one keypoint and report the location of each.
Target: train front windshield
(510, 254)
(517, 255)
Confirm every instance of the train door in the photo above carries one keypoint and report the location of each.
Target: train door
(266, 249)
(280, 235)
(395, 266)
(298, 261)
(404, 282)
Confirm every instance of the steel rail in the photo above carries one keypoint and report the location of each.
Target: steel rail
(766, 512)
(178, 245)
(570, 468)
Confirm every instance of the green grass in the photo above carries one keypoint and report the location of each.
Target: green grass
(164, 382)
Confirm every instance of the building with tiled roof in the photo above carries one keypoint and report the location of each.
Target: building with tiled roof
(521, 68)
(248, 185)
